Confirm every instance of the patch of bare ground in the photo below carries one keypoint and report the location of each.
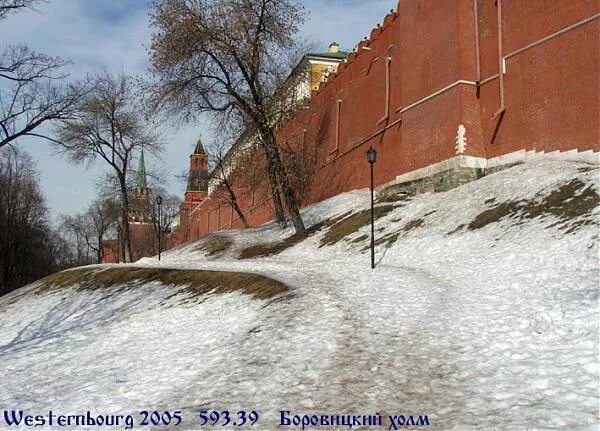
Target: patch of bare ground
(392, 237)
(413, 224)
(214, 244)
(572, 204)
(392, 197)
(458, 229)
(388, 240)
(196, 282)
(586, 169)
(359, 239)
(269, 249)
(349, 225)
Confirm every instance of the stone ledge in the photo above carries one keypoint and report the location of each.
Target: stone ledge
(462, 169)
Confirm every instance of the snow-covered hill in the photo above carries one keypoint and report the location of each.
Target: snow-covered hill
(483, 313)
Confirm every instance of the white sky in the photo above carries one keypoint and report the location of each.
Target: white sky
(114, 34)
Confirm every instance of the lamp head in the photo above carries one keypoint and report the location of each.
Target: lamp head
(371, 155)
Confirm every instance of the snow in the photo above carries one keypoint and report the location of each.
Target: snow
(495, 328)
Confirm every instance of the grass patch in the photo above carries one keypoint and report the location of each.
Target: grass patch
(392, 197)
(494, 215)
(214, 244)
(586, 169)
(388, 240)
(413, 224)
(359, 239)
(269, 249)
(197, 282)
(352, 224)
(391, 238)
(572, 203)
(458, 229)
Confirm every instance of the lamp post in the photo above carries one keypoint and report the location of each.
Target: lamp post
(159, 202)
(372, 158)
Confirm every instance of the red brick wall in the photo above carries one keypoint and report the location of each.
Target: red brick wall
(552, 89)
(111, 251)
(551, 96)
(144, 242)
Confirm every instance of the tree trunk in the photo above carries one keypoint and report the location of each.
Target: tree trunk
(78, 242)
(278, 168)
(275, 191)
(125, 217)
(100, 249)
(234, 203)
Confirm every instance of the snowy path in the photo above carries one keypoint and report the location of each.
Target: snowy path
(487, 330)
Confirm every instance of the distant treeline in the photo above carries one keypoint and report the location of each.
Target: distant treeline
(29, 247)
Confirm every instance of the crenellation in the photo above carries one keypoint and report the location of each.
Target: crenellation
(439, 129)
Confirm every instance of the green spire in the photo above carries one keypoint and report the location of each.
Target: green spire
(141, 181)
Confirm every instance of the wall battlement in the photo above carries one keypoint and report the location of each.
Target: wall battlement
(507, 77)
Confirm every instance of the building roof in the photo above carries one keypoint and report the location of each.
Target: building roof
(199, 147)
(340, 55)
(141, 181)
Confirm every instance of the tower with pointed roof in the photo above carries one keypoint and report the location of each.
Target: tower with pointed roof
(140, 211)
(142, 232)
(197, 187)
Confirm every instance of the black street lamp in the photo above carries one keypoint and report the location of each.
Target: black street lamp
(372, 158)
(159, 202)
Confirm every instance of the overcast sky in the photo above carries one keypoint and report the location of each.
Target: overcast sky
(114, 34)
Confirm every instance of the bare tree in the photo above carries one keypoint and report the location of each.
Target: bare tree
(205, 61)
(88, 229)
(218, 155)
(301, 166)
(26, 238)
(104, 214)
(32, 92)
(62, 251)
(78, 231)
(170, 207)
(12, 6)
(111, 126)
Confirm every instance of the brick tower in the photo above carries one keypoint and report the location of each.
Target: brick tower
(141, 210)
(141, 223)
(197, 188)
(141, 220)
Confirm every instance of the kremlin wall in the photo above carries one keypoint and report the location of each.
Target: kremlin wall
(445, 91)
